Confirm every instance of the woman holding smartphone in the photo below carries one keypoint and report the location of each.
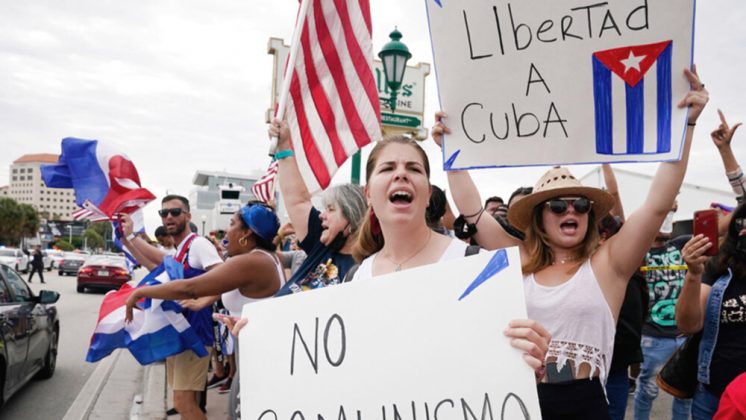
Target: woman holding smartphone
(713, 300)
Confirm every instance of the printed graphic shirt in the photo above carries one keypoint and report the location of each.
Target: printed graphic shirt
(664, 269)
(322, 267)
(729, 357)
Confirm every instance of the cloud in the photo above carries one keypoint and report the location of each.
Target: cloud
(184, 85)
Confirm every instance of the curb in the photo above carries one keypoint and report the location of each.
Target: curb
(154, 393)
(83, 405)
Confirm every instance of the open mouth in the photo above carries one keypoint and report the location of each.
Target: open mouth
(569, 227)
(400, 197)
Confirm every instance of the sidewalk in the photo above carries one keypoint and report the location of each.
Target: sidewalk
(120, 388)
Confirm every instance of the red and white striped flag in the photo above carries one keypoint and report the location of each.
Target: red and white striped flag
(332, 106)
(263, 189)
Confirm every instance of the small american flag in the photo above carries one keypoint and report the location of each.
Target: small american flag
(264, 188)
(89, 212)
(332, 103)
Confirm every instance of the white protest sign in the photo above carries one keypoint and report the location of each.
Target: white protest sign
(422, 343)
(539, 82)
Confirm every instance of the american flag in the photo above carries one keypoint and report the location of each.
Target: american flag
(89, 212)
(263, 189)
(332, 104)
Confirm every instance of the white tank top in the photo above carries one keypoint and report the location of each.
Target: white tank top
(234, 300)
(578, 317)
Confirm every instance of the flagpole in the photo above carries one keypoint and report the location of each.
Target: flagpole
(290, 67)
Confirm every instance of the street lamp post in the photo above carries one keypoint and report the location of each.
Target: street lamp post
(394, 56)
(204, 218)
(70, 234)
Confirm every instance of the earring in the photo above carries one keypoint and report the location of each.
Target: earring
(243, 241)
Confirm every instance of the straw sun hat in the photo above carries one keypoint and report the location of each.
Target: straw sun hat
(557, 182)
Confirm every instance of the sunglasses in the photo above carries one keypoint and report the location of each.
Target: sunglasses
(175, 212)
(581, 205)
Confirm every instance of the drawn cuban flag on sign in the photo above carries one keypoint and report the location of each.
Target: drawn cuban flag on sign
(632, 88)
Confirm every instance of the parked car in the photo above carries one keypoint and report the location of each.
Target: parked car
(14, 257)
(55, 257)
(103, 272)
(30, 330)
(71, 263)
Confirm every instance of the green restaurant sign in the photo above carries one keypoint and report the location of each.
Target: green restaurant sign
(400, 120)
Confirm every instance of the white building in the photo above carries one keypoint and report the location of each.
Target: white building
(218, 195)
(634, 186)
(27, 187)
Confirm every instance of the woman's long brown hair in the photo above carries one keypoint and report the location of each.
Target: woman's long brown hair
(367, 242)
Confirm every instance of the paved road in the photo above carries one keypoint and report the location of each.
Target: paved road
(50, 399)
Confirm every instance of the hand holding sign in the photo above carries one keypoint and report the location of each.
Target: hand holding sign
(696, 98)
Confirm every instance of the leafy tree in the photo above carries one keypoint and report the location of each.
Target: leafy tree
(94, 239)
(64, 245)
(11, 221)
(29, 220)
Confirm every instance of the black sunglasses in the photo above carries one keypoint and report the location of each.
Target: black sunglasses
(175, 212)
(581, 205)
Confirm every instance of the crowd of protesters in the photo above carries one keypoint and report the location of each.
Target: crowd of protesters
(603, 310)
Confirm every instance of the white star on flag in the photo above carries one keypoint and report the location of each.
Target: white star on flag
(632, 62)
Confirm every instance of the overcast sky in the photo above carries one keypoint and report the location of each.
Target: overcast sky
(184, 85)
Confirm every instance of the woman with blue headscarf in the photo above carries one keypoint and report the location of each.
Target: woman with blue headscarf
(252, 271)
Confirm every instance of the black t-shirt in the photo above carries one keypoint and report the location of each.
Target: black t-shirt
(322, 267)
(664, 270)
(627, 339)
(729, 357)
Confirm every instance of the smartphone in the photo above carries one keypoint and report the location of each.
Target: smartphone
(706, 223)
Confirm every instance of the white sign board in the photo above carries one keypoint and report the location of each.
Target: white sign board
(422, 343)
(539, 82)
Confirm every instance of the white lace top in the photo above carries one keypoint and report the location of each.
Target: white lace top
(578, 317)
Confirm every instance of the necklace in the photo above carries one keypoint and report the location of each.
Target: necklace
(400, 263)
(565, 260)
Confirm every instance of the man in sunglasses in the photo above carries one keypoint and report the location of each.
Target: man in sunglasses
(664, 270)
(187, 373)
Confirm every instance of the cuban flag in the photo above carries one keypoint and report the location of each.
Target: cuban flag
(157, 331)
(632, 89)
(105, 180)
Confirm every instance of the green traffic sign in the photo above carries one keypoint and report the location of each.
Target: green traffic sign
(400, 120)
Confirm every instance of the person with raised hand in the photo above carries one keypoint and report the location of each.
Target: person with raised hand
(574, 286)
(326, 236)
(713, 301)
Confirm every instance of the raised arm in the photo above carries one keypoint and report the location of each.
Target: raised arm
(722, 137)
(490, 234)
(613, 188)
(294, 192)
(248, 273)
(145, 253)
(690, 306)
(624, 251)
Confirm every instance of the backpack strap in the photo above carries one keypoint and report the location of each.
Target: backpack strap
(471, 250)
(350, 273)
(183, 255)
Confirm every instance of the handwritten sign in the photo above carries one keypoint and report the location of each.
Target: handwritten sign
(422, 343)
(538, 82)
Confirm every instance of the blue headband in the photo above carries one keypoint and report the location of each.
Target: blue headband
(261, 220)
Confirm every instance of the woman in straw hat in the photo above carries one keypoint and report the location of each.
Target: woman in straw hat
(574, 286)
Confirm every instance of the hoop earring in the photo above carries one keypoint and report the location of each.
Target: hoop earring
(243, 241)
